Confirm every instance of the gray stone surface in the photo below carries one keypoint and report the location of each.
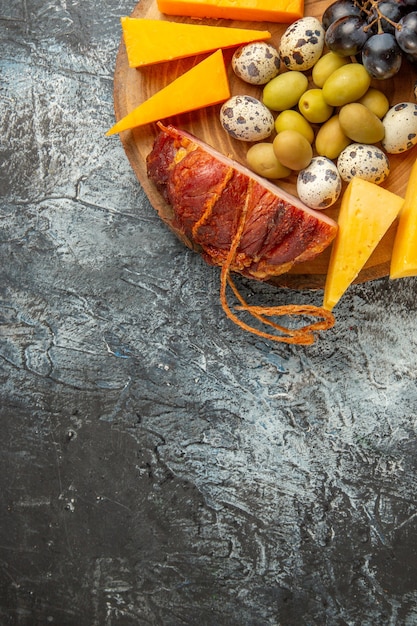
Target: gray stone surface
(159, 466)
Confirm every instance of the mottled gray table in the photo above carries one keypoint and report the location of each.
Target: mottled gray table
(159, 466)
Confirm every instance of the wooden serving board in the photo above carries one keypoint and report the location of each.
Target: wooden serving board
(134, 86)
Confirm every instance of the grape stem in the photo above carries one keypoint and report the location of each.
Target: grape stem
(371, 6)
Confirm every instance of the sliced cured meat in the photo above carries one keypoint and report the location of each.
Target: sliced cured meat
(240, 222)
(211, 194)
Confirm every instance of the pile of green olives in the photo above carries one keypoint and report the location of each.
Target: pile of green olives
(338, 109)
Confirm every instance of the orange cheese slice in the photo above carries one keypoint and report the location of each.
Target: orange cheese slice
(366, 213)
(404, 252)
(156, 41)
(285, 11)
(203, 85)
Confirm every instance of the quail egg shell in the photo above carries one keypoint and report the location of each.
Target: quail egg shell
(319, 184)
(400, 124)
(364, 161)
(246, 118)
(256, 63)
(302, 44)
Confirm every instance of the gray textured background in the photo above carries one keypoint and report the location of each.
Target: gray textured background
(159, 466)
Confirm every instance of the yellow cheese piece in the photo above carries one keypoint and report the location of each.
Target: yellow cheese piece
(284, 11)
(156, 41)
(203, 85)
(366, 213)
(404, 252)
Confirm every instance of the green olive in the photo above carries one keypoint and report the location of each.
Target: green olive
(360, 124)
(376, 101)
(284, 91)
(325, 66)
(330, 139)
(314, 107)
(346, 84)
(262, 160)
(293, 120)
(292, 149)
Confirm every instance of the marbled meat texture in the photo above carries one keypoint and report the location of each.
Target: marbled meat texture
(207, 193)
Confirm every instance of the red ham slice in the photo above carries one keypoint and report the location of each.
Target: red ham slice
(208, 193)
(240, 222)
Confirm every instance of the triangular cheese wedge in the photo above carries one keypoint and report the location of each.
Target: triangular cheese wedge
(366, 213)
(203, 85)
(156, 41)
(283, 11)
(404, 253)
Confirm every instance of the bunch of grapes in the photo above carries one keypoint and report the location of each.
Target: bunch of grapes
(379, 33)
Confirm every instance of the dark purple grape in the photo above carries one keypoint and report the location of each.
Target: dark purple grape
(407, 5)
(412, 59)
(381, 56)
(385, 9)
(406, 33)
(338, 9)
(346, 36)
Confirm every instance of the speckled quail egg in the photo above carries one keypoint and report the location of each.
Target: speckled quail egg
(302, 44)
(364, 161)
(400, 124)
(246, 118)
(256, 63)
(319, 184)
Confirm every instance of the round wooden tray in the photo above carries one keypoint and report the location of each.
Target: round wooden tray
(134, 86)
